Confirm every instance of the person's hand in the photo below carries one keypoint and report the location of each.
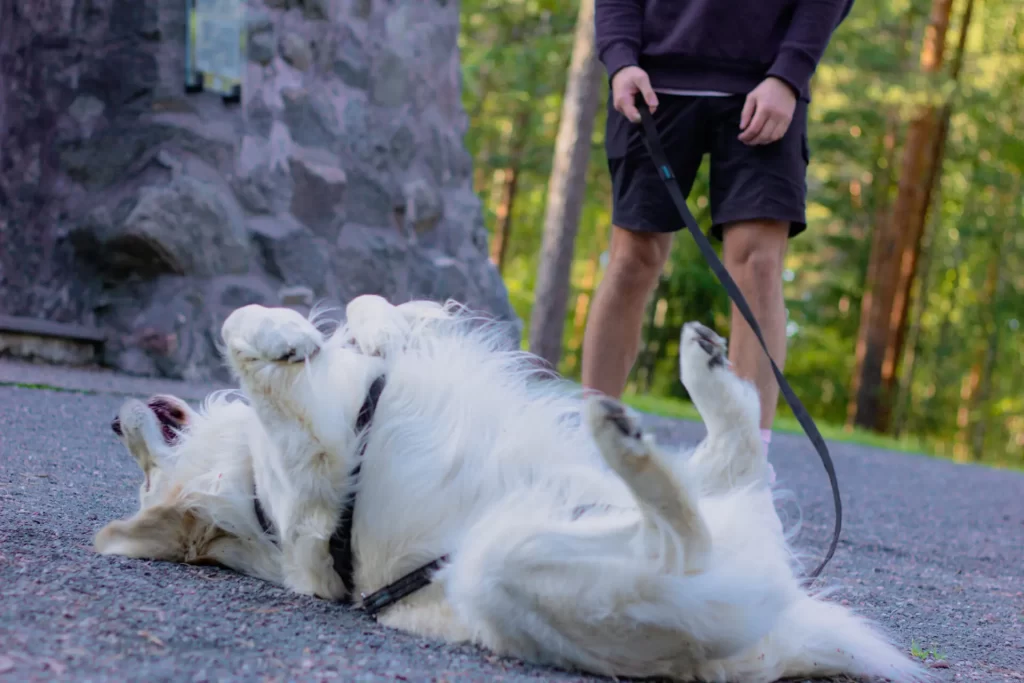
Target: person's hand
(626, 83)
(767, 112)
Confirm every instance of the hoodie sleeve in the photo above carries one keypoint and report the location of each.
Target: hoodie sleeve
(618, 26)
(810, 31)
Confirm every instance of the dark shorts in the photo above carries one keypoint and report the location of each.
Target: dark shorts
(763, 182)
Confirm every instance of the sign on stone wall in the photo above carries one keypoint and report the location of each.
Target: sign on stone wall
(214, 47)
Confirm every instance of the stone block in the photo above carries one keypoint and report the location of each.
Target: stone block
(317, 195)
(149, 214)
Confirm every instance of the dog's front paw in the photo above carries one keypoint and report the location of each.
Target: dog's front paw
(278, 335)
(617, 434)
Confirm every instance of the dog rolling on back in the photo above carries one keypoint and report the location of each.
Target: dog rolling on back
(572, 538)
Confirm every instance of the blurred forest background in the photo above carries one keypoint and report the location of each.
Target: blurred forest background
(906, 294)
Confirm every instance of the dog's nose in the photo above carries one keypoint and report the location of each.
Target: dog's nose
(115, 425)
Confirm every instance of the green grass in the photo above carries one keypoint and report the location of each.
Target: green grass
(48, 387)
(45, 387)
(925, 654)
(677, 409)
(784, 422)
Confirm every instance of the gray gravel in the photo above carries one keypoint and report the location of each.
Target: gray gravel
(933, 550)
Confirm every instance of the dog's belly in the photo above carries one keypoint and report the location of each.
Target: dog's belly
(452, 439)
(417, 505)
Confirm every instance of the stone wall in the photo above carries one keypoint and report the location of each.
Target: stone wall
(129, 205)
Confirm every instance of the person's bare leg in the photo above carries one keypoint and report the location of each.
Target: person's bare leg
(753, 253)
(612, 337)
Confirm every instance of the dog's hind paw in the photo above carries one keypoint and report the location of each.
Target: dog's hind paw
(326, 584)
(701, 343)
(702, 354)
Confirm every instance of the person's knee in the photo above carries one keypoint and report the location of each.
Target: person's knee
(636, 261)
(762, 265)
(756, 251)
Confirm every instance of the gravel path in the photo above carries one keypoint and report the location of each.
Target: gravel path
(933, 550)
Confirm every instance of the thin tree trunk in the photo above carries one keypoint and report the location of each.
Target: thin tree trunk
(480, 166)
(912, 251)
(566, 191)
(881, 187)
(506, 201)
(906, 384)
(981, 410)
(897, 243)
(946, 325)
(503, 216)
(994, 287)
(971, 391)
(963, 413)
(582, 306)
(980, 402)
(885, 155)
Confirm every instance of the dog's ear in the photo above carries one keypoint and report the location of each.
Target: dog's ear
(155, 533)
(140, 431)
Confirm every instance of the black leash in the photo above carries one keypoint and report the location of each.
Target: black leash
(341, 540)
(406, 585)
(657, 152)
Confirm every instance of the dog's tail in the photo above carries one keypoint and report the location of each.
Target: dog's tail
(817, 638)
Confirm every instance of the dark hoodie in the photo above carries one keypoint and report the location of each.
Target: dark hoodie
(724, 45)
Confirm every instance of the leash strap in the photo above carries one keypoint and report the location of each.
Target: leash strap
(341, 540)
(406, 585)
(657, 152)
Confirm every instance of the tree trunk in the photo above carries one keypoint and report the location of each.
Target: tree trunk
(981, 409)
(896, 246)
(507, 198)
(963, 413)
(911, 252)
(480, 166)
(972, 393)
(994, 285)
(881, 186)
(905, 390)
(582, 307)
(885, 154)
(946, 327)
(480, 169)
(566, 191)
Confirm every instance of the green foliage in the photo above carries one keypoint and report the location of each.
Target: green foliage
(515, 54)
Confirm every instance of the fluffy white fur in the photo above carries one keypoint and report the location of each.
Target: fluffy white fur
(574, 539)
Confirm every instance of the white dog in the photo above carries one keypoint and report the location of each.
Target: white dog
(568, 537)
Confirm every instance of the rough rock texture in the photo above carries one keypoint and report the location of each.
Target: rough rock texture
(150, 213)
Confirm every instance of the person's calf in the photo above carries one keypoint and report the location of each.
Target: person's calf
(754, 253)
(612, 337)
